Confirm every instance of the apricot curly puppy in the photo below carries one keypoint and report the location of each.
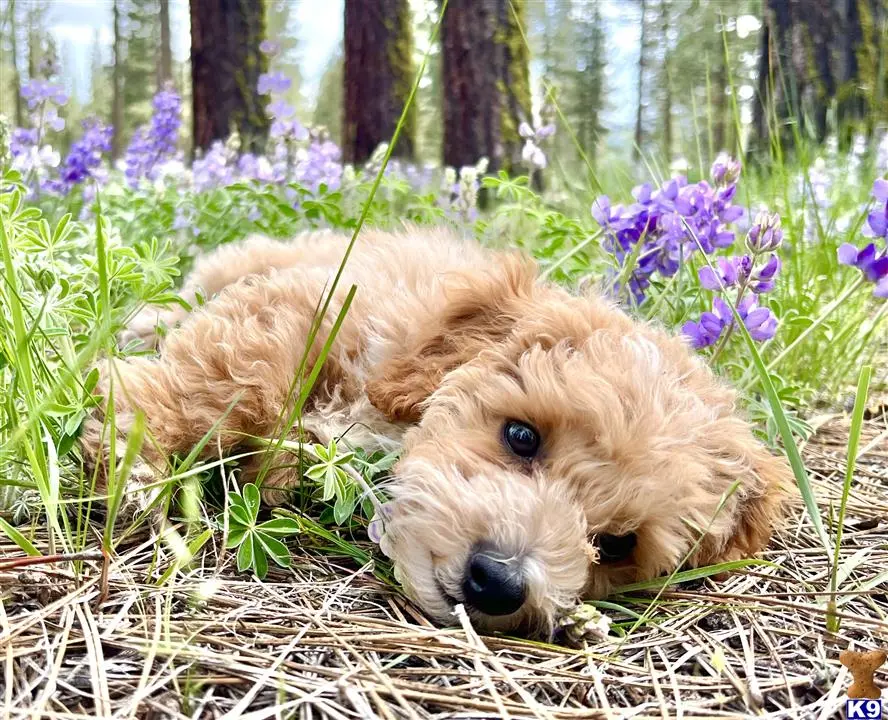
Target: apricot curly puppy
(553, 448)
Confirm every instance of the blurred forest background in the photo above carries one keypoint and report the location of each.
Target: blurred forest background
(623, 80)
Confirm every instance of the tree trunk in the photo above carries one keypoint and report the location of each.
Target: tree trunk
(485, 81)
(116, 86)
(639, 110)
(821, 24)
(165, 64)
(378, 74)
(872, 58)
(809, 59)
(777, 83)
(15, 79)
(225, 68)
(761, 105)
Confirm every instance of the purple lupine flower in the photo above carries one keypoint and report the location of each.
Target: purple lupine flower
(536, 134)
(185, 218)
(765, 235)
(604, 214)
(39, 92)
(877, 220)
(725, 170)
(376, 527)
(759, 321)
(257, 168)
(273, 83)
(287, 130)
(213, 169)
(871, 262)
(85, 155)
(30, 157)
(22, 140)
(34, 158)
(671, 223)
(319, 165)
(269, 47)
(764, 278)
(280, 109)
(727, 273)
(533, 155)
(52, 120)
(48, 66)
(155, 144)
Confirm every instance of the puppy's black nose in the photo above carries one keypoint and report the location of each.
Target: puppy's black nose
(494, 584)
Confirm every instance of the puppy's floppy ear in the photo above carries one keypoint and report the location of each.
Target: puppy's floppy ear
(479, 310)
(758, 504)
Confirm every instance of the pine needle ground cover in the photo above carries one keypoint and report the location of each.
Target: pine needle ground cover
(776, 274)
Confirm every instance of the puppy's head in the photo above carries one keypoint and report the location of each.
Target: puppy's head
(560, 450)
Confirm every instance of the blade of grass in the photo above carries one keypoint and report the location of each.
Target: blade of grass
(18, 538)
(789, 445)
(192, 549)
(120, 478)
(863, 381)
(689, 575)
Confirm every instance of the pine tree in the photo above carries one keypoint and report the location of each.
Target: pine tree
(486, 91)
(587, 91)
(328, 108)
(225, 68)
(140, 67)
(377, 76)
(816, 53)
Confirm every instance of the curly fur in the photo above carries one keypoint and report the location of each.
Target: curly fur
(444, 343)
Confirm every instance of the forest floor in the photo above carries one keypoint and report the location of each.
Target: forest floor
(326, 639)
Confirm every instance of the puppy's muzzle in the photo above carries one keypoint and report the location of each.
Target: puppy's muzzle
(494, 584)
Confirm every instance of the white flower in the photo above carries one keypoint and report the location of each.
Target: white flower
(533, 155)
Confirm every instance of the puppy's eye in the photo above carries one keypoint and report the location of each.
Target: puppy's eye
(613, 548)
(522, 439)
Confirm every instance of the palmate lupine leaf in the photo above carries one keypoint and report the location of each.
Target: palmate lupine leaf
(256, 542)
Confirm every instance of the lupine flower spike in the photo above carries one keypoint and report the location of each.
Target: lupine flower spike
(753, 273)
(871, 261)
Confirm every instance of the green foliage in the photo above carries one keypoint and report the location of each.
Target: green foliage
(329, 471)
(256, 542)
